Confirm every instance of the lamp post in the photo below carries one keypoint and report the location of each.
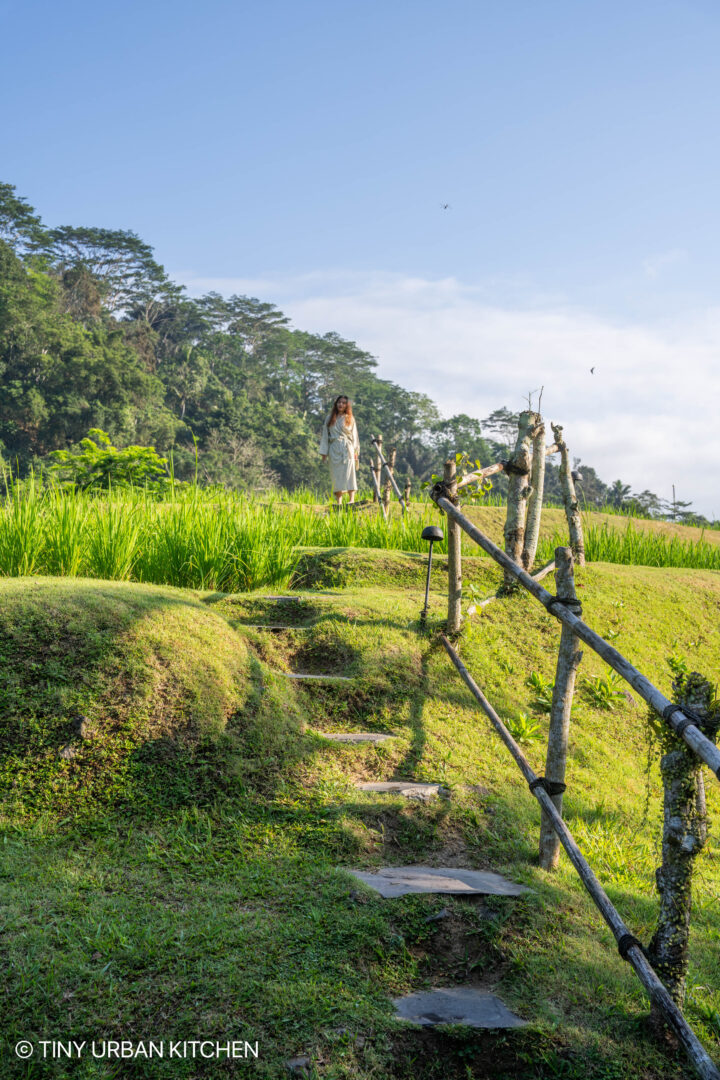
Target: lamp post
(431, 533)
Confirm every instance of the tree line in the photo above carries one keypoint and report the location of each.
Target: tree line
(95, 335)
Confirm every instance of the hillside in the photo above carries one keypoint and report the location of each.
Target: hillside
(213, 902)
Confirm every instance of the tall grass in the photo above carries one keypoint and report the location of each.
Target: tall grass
(639, 548)
(214, 539)
(190, 538)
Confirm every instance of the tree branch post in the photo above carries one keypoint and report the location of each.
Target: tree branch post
(387, 489)
(569, 657)
(454, 559)
(684, 833)
(518, 471)
(572, 510)
(378, 462)
(537, 485)
(407, 491)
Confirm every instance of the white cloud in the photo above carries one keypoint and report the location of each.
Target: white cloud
(648, 414)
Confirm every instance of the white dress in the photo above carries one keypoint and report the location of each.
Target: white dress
(341, 443)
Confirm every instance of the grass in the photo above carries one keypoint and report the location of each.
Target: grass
(636, 547)
(213, 539)
(211, 901)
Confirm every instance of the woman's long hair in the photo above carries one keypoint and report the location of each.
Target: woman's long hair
(336, 412)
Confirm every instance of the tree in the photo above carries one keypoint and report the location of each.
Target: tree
(118, 259)
(60, 378)
(618, 494)
(503, 425)
(20, 226)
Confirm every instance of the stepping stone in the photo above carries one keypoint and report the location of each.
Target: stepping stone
(456, 1005)
(267, 626)
(393, 881)
(373, 737)
(300, 675)
(409, 788)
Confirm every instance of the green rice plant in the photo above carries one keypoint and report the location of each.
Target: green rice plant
(66, 539)
(605, 690)
(113, 533)
(639, 548)
(22, 530)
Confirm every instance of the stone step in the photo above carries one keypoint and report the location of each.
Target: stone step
(411, 789)
(307, 675)
(393, 881)
(373, 737)
(456, 1005)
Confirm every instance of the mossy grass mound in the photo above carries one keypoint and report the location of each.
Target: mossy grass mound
(110, 690)
(342, 567)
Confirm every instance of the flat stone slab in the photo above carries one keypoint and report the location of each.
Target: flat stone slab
(409, 788)
(394, 881)
(456, 1005)
(373, 737)
(300, 675)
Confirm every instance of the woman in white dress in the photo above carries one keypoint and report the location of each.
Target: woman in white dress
(340, 443)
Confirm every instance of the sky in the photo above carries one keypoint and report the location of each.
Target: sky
(302, 152)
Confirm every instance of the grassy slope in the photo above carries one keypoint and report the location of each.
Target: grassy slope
(216, 910)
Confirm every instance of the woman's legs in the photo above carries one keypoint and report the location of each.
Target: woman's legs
(338, 497)
(339, 494)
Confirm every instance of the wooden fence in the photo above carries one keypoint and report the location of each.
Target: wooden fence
(525, 469)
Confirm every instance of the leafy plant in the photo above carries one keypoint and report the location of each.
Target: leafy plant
(473, 491)
(523, 728)
(677, 664)
(543, 690)
(605, 690)
(99, 464)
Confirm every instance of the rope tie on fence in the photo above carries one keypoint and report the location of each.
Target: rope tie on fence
(442, 488)
(626, 942)
(511, 467)
(572, 605)
(552, 787)
(690, 717)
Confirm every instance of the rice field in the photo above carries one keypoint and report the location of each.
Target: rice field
(638, 547)
(193, 538)
(214, 539)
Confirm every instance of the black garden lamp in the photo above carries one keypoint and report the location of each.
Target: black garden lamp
(431, 533)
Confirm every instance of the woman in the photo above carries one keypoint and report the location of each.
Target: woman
(340, 443)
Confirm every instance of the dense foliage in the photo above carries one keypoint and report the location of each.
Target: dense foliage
(93, 334)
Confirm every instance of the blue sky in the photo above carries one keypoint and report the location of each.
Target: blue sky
(301, 152)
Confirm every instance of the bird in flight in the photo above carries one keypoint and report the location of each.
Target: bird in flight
(445, 205)
(592, 370)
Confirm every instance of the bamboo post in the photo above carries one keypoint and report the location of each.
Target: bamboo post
(518, 470)
(406, 493)
(690, 733)
(628, 946)
(454, 559)
(568, 661)
(378, 463)
(537, 485)
(572, 510)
